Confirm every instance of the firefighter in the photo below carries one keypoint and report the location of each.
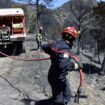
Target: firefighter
(60, 65)
(39, 37)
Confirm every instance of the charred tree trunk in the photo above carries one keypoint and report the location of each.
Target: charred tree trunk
(102, 72)
(79, 38)
(98, 54)
(37, 15)
(78, 49)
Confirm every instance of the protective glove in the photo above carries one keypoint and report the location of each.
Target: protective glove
(76, 66)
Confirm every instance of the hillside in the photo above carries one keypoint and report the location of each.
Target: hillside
(28, 79)
(22, 81)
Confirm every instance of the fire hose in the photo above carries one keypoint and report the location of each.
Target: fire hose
(28, 59)
(78, 93)
(77, 96)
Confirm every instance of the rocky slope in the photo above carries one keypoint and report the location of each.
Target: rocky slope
(28, 79)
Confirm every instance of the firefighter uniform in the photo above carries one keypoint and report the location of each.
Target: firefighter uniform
(39, 39)
(60, 65)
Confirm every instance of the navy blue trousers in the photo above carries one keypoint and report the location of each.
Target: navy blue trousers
(61, 92)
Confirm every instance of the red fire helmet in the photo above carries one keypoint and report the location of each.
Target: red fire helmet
(70, 31)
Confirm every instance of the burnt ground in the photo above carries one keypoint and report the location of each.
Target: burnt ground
(28, 79)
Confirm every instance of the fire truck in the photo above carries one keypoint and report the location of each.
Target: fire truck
(12, 27)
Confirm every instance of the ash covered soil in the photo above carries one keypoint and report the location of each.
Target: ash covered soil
(28, 79)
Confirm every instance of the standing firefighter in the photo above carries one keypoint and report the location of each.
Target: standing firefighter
(39, 37)
(60, 65)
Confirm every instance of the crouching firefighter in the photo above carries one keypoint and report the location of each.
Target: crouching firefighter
(60, 65)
